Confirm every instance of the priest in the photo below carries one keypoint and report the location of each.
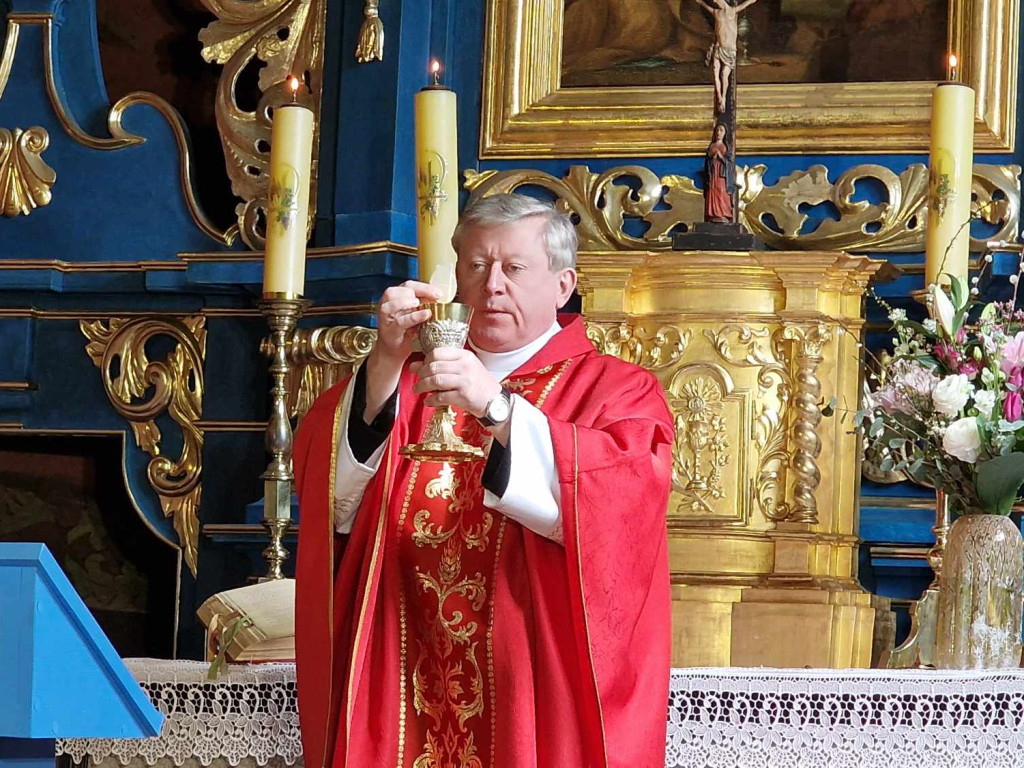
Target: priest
(511, 612)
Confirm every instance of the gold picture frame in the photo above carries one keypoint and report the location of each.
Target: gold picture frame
(527, 113)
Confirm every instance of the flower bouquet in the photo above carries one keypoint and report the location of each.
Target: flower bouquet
(949, 413)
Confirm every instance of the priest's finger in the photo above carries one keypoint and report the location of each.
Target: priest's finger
(440, 382)
(396, 305)
(423, 290)
(448, 397)
(412, 319)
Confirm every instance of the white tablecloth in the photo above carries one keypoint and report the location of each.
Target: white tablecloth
(717, 718)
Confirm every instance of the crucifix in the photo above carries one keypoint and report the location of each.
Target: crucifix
(720, 162)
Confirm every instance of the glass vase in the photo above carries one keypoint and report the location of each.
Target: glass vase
(980, 597)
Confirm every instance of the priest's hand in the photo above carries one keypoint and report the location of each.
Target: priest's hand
(456, 377)
(398, 317)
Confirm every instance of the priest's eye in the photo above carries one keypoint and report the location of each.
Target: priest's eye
(478, 266)
(514, 268)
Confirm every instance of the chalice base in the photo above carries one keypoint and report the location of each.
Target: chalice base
(440, 443)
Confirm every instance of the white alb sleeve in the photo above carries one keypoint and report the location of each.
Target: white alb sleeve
(351, 477)
(532, 497)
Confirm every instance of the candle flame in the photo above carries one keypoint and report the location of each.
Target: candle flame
(435, 67)
(293, 83)
(953, 61)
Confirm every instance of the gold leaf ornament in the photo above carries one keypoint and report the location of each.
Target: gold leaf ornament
(25, 178)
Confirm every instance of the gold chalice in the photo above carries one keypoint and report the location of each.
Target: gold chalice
(448, 326)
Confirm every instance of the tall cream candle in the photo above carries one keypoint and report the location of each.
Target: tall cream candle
(950, 165)
(437, 182)
(291, 148)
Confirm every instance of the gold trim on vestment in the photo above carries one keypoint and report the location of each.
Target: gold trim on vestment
(338, 410)
(583, 597)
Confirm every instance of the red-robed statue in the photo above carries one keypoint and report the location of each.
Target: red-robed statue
(718, 178)
(505, 613)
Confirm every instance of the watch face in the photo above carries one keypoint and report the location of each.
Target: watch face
(498, 409)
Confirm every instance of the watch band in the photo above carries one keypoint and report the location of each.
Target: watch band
(486, 420)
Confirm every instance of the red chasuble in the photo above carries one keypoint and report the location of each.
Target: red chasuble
(443, 634)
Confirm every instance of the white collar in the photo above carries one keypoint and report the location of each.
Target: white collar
(501, 364)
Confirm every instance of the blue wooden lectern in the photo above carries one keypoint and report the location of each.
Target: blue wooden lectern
(59, 675)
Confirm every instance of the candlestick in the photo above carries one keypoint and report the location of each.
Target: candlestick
(950, 165)
(437, 184)
(282, 315)
(291, 146)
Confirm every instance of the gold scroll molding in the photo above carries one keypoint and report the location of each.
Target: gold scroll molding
(527, 112)
(371, 35)
(288, 36)
(604, 202)
(319, 358)
(746, 346)
(118, 348)
(119, 136)
(25, 178)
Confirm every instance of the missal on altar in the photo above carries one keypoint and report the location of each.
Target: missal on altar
(253, 623)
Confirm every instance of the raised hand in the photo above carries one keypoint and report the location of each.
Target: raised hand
(398, 317)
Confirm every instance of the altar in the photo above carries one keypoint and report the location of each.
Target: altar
(717, 718)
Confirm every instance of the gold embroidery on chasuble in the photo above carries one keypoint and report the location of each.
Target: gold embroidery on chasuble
(449, 546)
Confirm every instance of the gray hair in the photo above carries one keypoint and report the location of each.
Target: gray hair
(499, 210)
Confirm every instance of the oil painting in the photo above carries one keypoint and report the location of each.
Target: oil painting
(640, 43)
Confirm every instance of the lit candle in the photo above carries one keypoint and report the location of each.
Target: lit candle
(950, 168)
(291, 148)
(437, 183)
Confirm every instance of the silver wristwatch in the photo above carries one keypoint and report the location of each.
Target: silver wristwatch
(498, 410)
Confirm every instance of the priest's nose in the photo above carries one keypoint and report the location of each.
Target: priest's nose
(495, 279)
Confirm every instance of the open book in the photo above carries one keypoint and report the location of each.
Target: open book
(253, 623)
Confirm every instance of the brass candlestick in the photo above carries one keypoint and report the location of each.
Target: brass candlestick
(282, 315)
(448, 326)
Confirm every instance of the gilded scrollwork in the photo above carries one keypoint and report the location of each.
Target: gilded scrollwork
(652, 348)
(750, 346)
(118, 349)
(288, 36)
(601, 204)
(321, 357)
(25, 178)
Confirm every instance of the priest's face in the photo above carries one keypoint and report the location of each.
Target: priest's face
(504, 275)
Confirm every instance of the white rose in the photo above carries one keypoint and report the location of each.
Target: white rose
(984, 401)
(951, 394)
(962, 440)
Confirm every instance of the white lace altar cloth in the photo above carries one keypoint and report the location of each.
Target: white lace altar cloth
(717, 718)
(249, 716)
(782, 718)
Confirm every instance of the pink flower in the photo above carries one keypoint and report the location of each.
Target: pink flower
(948, 356)
(1016, 378)
(1012, 354)
(970, 369)
(1013, 406)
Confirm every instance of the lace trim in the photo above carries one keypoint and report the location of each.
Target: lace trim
(249, 712)
(828, 719)
(717, 718)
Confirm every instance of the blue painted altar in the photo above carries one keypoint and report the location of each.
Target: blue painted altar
(119, 289)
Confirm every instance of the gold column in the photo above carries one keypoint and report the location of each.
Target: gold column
(762, 519)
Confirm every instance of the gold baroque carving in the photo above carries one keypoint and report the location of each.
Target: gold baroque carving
(321, 357)
(807, 354)
(119, 136)
(25, 178)
(741, 345)
(638, 344)
(602, 203)
(288, 36)
(701, 449)
(118, 349)
(371, 35)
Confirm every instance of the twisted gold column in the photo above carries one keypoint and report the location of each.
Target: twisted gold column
(808, 342)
